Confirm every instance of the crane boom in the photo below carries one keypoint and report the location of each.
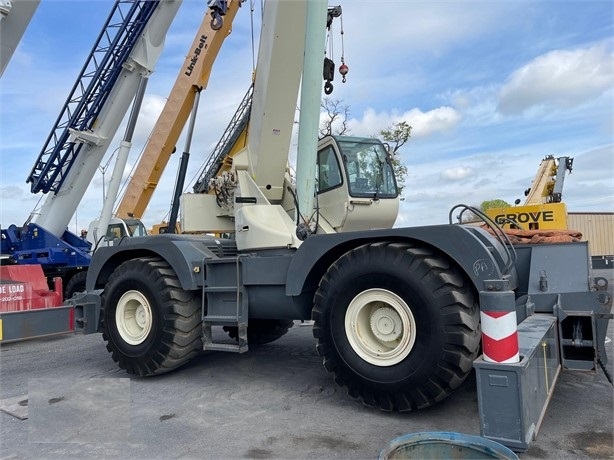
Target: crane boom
(193, 74)
(278, 77)
(15, 16)
(255, 195)
(232, 141)
(547, 186)
(565, 165)
(76, 145)
(542, 181)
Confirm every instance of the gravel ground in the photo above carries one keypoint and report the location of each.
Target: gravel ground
(276, 401)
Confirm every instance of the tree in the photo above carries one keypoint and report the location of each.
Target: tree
(469, 216)
(336, 118)
(497, 203)
(397, 135)
(335, 122)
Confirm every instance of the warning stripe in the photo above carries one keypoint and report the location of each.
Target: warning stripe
(498, 325)
(500, 336)
(501, 351)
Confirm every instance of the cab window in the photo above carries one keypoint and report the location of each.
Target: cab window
(368, 167)
(328, 172)
(115, 231)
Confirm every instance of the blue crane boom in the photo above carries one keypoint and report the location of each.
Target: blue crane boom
(97, 78)
(123, 56)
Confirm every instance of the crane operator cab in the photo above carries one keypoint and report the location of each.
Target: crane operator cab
(356, 187)
(119, 228)
(116, 230)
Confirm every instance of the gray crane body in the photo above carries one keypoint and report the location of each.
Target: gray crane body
(280, 283)
(562, 313)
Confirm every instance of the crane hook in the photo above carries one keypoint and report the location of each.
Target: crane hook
(329, 75)
(343, 70)
(218, 9)
(216, 21)
(328, 87)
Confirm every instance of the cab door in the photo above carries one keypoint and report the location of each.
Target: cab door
(331, 186)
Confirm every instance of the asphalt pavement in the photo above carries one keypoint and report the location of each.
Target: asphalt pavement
(275, 401)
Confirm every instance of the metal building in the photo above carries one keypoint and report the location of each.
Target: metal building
(598, 229)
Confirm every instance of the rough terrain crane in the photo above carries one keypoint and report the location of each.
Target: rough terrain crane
(543, 207)
(115, 73)
(113, 76)
(400, 314)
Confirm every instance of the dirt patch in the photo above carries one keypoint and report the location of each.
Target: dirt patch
(594, 444)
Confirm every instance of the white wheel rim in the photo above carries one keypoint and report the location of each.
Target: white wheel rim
(380, 327)
(133, 317)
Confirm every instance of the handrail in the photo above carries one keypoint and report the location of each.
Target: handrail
(498, 233)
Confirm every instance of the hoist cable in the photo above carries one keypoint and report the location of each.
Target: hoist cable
(342, 44)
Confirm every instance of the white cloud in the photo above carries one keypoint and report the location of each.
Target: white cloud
(559, 79)
(421, 26)
(11, 192)
(424, 124)
(441, 119)
(457, 173)
(591, 184)
(148, 115)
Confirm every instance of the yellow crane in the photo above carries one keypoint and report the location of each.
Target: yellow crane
(193, 77)
(543, 208)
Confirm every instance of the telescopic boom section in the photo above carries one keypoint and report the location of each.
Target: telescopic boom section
(127, 49)
(539, 188)
(278, 76)
(193, 74)
(547, 186)
(14, 19)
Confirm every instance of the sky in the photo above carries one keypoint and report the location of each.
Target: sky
(489, 87)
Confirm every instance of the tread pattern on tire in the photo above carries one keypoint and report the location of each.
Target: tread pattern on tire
(75, 284)
(453, 299)
(180, 339)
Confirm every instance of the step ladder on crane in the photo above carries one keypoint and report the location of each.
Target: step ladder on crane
(224, 286)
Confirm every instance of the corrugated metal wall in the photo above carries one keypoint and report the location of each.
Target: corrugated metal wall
(597, 228)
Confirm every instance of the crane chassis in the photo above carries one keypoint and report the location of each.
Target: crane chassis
(396, 311)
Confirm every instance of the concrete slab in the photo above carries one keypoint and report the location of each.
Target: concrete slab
(276, 401)
(16, 406)
(64, 410)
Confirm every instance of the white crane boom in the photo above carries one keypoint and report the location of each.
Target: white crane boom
(59, 207)
(15, 16)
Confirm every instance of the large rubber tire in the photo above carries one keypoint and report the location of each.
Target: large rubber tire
(397, 325)
(262, 331)
(75, 284)
(151, 325)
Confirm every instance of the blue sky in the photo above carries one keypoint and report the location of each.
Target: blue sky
(490, 88)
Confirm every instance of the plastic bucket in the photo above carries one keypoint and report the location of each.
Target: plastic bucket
(444, 445)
